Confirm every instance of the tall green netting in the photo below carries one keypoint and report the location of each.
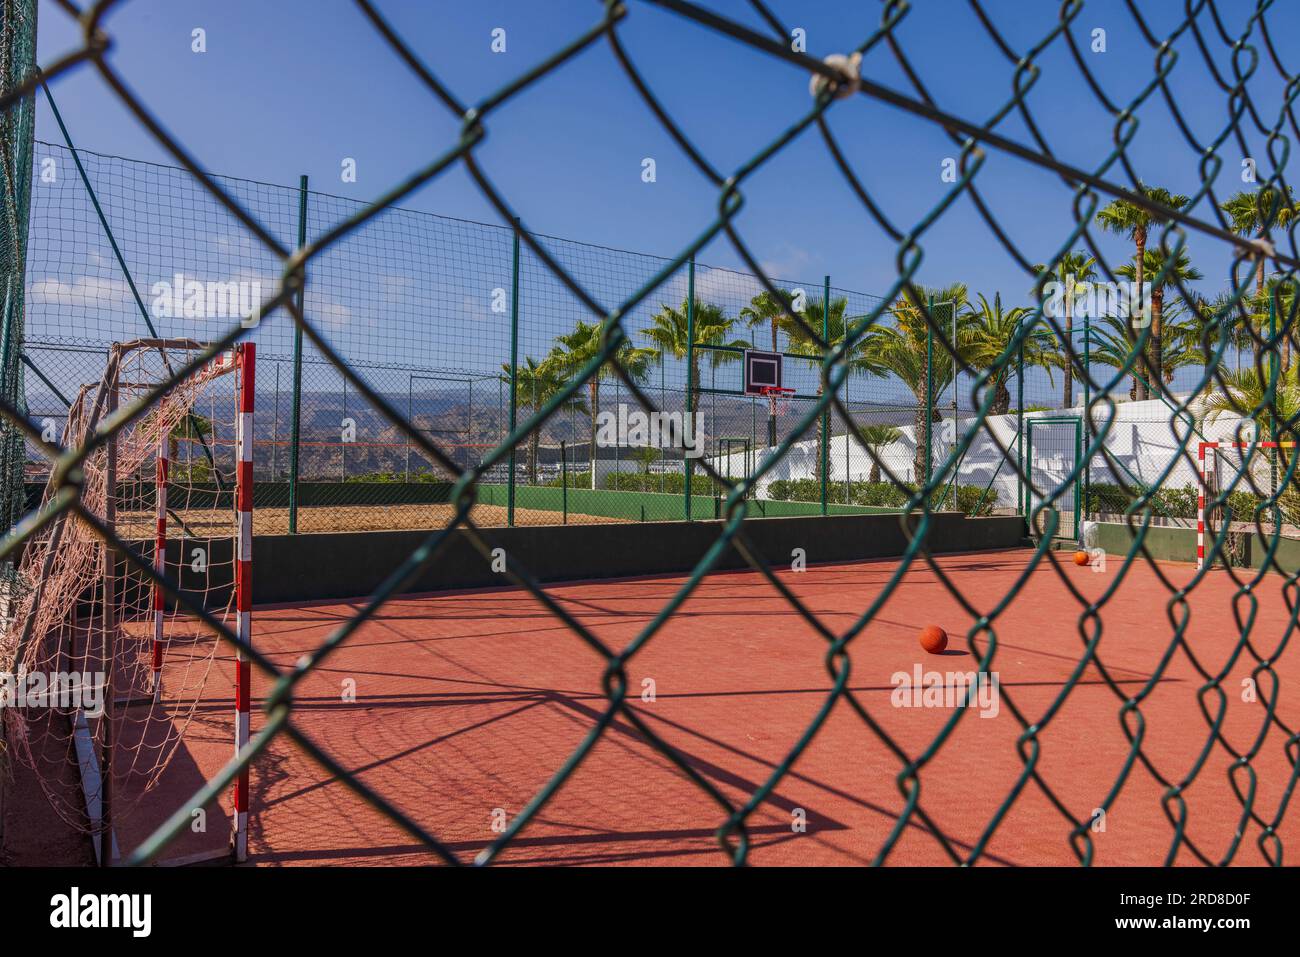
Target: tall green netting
(17, 125)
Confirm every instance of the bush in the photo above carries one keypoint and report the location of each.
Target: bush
(971, 500)
(394, 478)
(877, 494)
(1166, 502)
(669, 483)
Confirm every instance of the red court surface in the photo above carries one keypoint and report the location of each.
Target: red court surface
(468, 702)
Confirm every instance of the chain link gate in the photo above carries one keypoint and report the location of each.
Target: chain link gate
(1054, 448)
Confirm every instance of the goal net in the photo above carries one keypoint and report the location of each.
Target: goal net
(1237, 481)
(117, 673)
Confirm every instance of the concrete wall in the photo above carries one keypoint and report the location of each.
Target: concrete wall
(1179, 545)
(353, 564)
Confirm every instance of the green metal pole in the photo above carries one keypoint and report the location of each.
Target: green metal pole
(99, 212)
(514, 371)
(295, 433)
(1029, 454)
(826, 415)
(1087, 418)
(929, 385)
(6, 337)
(1078, 451)
(956, 467)
(564, 480)
(1020, 415)
(690, 367)
(1272, 419)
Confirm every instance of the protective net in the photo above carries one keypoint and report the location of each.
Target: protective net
(126, 667)
(1244, 486)
(1083, 419)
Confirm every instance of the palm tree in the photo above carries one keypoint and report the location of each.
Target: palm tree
(899, 350)
(1128, 219)
(1280, 295)
(1255, 214)
(833, 327)
(1244, 329)
(647, 455)
(989, 332)
(536, 384)
(878, 438)
(1212, 318)
(1275, 304)
(765, 310)
(1181, 270)
(1071, 270)
(668, 333)
(1180, 345)
(1114, 342)
(576, 349)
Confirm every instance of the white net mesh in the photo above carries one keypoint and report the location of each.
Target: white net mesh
(84, 620)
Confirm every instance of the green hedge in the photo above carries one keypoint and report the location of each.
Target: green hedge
(1169, 502)
(878, 494)
(394, 478)
(671, 482)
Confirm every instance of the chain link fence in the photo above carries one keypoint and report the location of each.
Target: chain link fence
(866, 427)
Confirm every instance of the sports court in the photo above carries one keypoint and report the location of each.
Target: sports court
(470, 701)
(649, 433)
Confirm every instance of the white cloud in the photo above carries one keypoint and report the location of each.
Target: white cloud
(82, 291)
(328, 315)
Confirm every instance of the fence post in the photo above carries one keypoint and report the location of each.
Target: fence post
(690, 366)
(956, 468)
(8, 382)
(295, 414)
(1273, 370)
(826, 414)
(1087, 416)
(514, 372)
(929, 388)
(564, 480)
(1020, 413)
(275, 427)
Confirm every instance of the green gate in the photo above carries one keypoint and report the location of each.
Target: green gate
(1053, 448)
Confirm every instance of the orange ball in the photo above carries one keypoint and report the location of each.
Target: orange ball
(933, 639)
(1081, 558)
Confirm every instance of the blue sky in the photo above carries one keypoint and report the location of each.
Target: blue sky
(295, 86)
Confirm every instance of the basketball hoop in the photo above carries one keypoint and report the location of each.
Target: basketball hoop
(778, 397)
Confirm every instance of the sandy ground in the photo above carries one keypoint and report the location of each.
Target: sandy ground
(350, 518)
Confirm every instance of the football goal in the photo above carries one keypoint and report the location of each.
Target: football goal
(1247, 472)
(121, 677)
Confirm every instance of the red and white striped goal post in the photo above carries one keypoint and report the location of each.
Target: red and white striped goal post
(1200, 492)
(246, 363)
(242, 360)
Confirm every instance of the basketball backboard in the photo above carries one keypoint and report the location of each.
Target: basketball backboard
(762, 370)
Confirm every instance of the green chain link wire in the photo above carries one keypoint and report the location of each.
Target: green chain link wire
(1114, 178)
